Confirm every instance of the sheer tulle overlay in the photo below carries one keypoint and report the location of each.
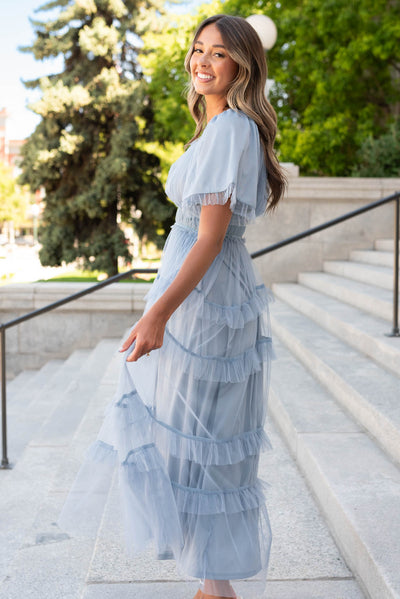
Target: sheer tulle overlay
(186, 426)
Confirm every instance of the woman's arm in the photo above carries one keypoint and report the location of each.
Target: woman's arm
(149, 330)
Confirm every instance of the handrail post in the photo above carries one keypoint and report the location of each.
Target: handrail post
(395, 332)
(4, 460)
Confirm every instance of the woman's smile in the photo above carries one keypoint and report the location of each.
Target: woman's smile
(204, 76)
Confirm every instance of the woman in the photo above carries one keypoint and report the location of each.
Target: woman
(187, 421)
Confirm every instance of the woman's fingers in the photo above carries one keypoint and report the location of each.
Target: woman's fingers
(147, 334)
(138, 351)
(128, 341)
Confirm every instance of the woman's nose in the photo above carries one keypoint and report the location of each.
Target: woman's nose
(205, 59)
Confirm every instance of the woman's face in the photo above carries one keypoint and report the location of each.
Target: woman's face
(212, 69)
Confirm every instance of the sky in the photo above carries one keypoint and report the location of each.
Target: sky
(15, 31)
(15, 66)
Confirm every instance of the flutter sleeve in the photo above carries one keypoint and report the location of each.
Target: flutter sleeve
(228, 163)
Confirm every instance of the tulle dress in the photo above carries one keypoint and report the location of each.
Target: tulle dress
(186, 426)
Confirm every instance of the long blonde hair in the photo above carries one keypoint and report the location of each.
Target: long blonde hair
(246, 93)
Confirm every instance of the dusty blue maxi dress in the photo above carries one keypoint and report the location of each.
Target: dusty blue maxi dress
(186, 426)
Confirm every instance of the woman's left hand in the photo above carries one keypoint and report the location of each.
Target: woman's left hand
(148, 334)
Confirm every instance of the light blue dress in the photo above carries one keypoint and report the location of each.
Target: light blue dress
(186, 426)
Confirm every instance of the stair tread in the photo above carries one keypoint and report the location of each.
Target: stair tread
(369, 298)
(373, 382)
(23, 378)
(380, 276)
(28, 391)
(361, 266)
(60, 425)
(31, 408)
(360, 495)
(359, 329)
(34, 481)
(373, 257)
(378, 293)
(369, 392)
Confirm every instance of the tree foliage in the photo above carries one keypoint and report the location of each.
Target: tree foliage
(336, 67)
(87, 150)
(380, 157)
(13, 202)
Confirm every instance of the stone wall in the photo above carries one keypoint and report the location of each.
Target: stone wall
(80, 324)
(311, 201)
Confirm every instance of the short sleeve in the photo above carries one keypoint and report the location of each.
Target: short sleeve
(228, 162)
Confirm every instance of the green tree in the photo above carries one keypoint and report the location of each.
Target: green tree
(87, 150)
(380, 157)
(336, 67)
(13, 202)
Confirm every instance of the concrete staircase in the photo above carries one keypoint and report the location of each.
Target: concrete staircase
(336, 400)
(334, 500)
(54, 414)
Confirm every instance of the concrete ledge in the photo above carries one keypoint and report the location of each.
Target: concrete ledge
(311, 201)
(79, 324)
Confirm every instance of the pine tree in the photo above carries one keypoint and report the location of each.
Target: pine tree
(87, 151)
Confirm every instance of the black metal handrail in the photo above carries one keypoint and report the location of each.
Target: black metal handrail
(11, 323)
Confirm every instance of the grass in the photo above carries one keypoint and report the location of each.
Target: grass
(87, 276)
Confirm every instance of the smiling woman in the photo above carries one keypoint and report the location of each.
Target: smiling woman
(186, 426)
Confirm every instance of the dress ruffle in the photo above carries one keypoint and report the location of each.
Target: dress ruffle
(233, 316)
(224, 370)
(220, 198)
(207, 452)
(203, 502)
(128, 422)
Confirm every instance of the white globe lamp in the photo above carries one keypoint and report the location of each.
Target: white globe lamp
(266, 29)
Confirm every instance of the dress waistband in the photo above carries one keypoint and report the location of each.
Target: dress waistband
(192, 224)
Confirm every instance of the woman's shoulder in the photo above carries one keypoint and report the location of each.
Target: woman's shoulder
(231, 120)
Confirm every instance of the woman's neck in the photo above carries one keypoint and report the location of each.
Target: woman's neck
(214, 106)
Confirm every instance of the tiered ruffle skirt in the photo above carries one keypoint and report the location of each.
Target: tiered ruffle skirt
(186, 426)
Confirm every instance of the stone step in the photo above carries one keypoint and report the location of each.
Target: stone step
(370, 394)
(31, 408)
(381, 276)
(385, 245)
(61, 424)
(17, 383)
(23, 395)
(364, 332)
(356, 485)
(27, 495)
(371, 299)
(33, 540)
(374, 257)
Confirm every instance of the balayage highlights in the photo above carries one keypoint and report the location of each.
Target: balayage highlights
(246, 93)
